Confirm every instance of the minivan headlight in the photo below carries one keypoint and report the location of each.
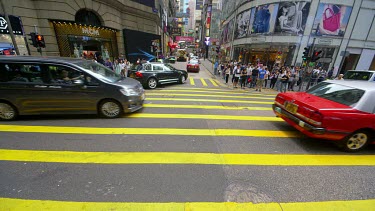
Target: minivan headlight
(129, 92)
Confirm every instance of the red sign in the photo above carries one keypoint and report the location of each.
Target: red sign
(186, 39)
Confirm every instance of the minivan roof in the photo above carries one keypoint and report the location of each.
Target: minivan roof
(39, 58)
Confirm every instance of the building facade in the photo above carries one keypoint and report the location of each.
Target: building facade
(277, 31)
(76, 28)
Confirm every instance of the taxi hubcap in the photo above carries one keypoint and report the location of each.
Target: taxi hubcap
(357, 141)
(110, 109)
(6, 111)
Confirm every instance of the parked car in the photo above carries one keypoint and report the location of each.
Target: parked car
(171, 60)
(363, 75)
(193, 66)
(338, 110)
(48, 85)
(153, 74)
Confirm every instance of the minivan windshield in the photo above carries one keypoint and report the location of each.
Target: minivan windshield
(358, 75)
(338, 93)
(99, 71)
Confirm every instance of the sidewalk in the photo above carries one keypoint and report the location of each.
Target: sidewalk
(209, 66)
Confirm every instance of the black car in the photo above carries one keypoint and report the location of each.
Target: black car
(153, 74)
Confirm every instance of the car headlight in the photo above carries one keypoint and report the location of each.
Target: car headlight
(129, 92)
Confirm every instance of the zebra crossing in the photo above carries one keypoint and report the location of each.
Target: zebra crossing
(220, 136)
(205, 82)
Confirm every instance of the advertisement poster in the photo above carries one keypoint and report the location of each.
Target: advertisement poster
(292, 17)
(230, 30)
(264, 19)
(242, 24)
(331, 19)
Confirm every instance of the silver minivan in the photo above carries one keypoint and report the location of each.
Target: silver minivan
(56, 85)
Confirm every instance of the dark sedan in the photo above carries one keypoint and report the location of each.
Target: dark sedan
(153, 74)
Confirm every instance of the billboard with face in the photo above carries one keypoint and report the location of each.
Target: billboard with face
(242, 24)
(331, 19)
(291, 17)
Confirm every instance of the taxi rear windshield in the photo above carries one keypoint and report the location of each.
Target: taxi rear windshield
(338, 93)
(358, 75)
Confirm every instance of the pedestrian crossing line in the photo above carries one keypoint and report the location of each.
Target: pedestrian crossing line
(207, 107)
(203, 82)
(219, 90)
(203, 116)
(185, 158)
(32, 205)
(220, 84)
(208, 91)
(149, 131)
(208, 100)
(210, 95)
(192, 81)
(213, 82)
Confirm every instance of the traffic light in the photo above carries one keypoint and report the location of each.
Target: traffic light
(33, 39)
(316, 56)
(40, 41)
(305, 55)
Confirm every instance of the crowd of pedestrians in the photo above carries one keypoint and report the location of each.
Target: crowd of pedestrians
(120, 65)
(280, 78)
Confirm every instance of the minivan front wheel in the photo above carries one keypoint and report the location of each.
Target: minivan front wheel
(7, 111)
(110, 109)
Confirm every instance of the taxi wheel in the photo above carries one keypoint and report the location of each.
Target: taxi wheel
(152, 83)
(110, 109)
(356, 141)
(182, 79)
(7, 111)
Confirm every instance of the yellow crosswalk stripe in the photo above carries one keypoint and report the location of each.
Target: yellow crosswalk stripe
(148, 131)
(203, 82)
(185, 158)
(213, 82)
(218, 82)
(203, 116)
(207, 90)
(32, 205)
(208, 100)
(192, 81)
(207, 107)
(217, 90)
(210, 95)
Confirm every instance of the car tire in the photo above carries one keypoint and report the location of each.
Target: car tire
(182, 79)
(355, 141)
(152, 83)
(7, 111)
(110, 109)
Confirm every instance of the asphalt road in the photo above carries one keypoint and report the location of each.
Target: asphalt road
(195, 142)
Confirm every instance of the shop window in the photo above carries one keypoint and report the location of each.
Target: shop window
(88, 18)
(23, 73)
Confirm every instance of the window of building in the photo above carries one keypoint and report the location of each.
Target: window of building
(87, 17)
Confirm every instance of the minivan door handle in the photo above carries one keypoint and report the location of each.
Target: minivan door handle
(40, 86)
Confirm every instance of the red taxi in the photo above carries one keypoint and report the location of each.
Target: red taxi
(193, 66)
(338, 110)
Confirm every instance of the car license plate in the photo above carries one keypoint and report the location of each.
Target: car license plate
(292, 108)
(301, 123)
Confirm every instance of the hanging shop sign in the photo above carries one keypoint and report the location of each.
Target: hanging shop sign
(15, 22)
